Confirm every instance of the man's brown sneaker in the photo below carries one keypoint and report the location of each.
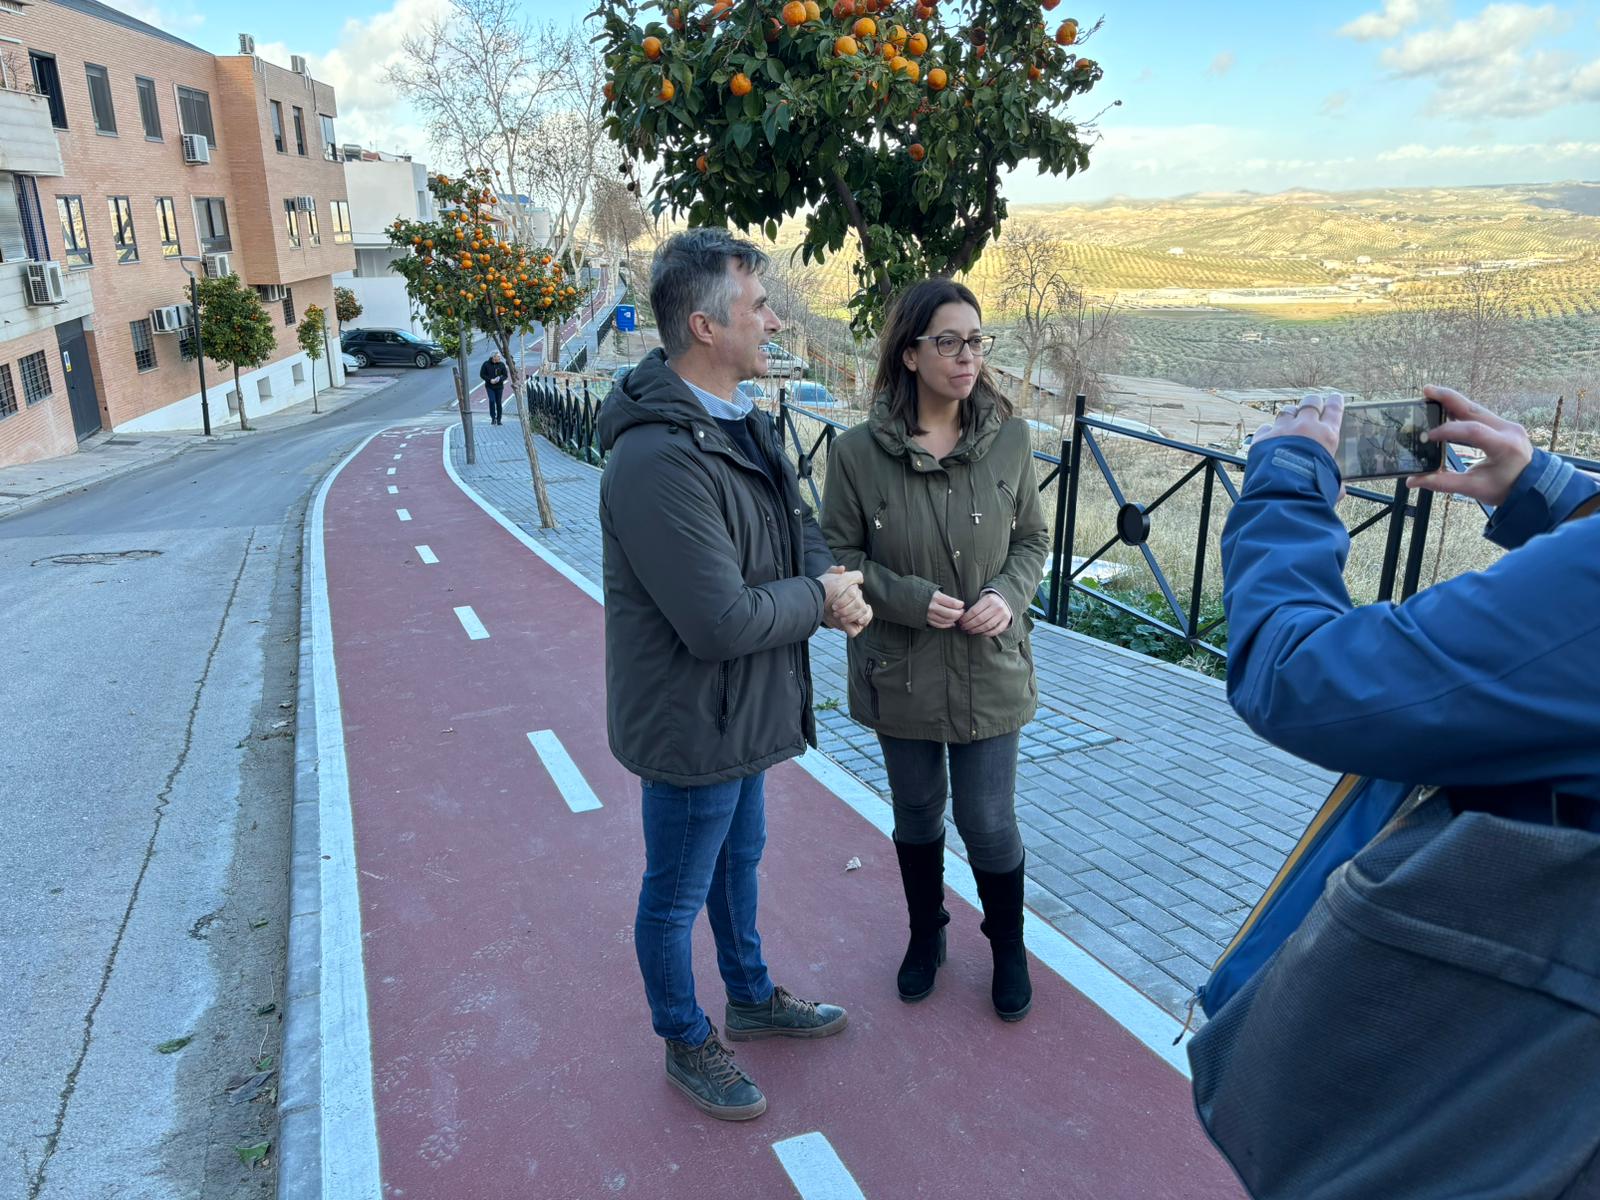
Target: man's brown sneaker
(783, 1015)
(708, 1075)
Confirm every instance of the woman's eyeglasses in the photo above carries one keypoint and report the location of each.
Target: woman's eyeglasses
(949, 345)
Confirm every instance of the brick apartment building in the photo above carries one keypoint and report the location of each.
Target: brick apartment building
(123, 147)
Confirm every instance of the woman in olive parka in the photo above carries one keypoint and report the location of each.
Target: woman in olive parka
(933, 499)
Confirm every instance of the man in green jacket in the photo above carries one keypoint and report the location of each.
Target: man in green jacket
(716, 576)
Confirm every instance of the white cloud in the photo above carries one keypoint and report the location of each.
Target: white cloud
(1493, 36)
(1553, 153)
(371, 112)
(167, 19)
(1221, 64)
(1395, 17)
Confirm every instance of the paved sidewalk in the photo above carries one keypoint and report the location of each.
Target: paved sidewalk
(109, 454)
(1153, 817)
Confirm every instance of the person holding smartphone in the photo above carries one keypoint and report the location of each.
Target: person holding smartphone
(1483, 680)
(933, 499)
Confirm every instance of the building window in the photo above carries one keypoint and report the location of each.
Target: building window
(292, 224)
(211, 218)
(299, 372)
(22, 234)
(277, 124)
(288, 306)
(311, 221)
(105, 116)
(8, 393)
(264, 388)
(299, 132)
(341, 220)
(35, 377)
(167, 216)
(74, 231)
(330, 148)
(122, 229)
(149, 110)
(144, 345)
(194, 113)
(47, 82)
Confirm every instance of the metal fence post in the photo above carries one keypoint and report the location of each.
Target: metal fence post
(1391, 548)
(1200, 551)
(1066, 518)
(1420, 525)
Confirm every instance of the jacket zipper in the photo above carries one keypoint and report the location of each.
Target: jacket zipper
(877, 517)
(724, 669)
(872, 666)
(1011, 498)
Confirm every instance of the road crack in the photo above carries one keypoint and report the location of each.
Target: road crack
(36, 1184)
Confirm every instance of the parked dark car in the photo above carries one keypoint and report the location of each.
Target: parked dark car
(377, 347)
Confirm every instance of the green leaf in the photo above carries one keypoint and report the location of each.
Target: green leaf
(174, 1045)
(783, 181)
(741, 135)
(253, 1155)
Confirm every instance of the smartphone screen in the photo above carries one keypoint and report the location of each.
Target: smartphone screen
(1384, 441)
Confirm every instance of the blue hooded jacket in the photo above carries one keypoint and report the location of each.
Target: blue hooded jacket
(1487, 684)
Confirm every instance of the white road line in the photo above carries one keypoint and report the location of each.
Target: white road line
(470, 622)
(403, 513)
(403, 445)
(426, 555)
(815, 1169)
(1130, 1008)
(393, 491)
(575, 789)
(399, 456)
(349, 1158)
(390, 471)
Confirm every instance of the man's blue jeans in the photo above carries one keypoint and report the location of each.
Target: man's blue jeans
(702, 846)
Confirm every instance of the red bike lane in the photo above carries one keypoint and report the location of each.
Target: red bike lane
(511, 1049)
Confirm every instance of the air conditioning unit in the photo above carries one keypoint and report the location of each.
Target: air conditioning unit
(272, 293)
(305, 203)
(218, 265)
(44, 284)
(168, 319)
(195, 148)
(297, 64)
(247, 44)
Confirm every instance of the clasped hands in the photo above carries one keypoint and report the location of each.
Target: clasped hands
(844, 607)
(989, 617)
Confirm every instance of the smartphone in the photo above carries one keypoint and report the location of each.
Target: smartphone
(1384, 440)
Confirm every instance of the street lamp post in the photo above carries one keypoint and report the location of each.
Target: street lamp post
(199, 346)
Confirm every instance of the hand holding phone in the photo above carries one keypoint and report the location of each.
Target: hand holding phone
(1390, 440)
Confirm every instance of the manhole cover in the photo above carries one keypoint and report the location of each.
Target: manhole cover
(93, 558)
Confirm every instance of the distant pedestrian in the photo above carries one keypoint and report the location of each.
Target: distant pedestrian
(933, 499)
(493, 373)
(716, 577)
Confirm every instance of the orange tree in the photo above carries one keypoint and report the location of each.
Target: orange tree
(461, 269)
(895, 121)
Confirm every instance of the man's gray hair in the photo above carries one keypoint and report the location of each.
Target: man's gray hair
(690, 275)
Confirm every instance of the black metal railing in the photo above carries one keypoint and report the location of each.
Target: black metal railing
(566, 416)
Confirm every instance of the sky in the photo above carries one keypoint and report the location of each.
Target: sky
(1258, 95)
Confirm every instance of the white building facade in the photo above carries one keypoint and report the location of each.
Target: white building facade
(382, 188)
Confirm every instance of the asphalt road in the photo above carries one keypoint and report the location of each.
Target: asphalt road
(146, 765)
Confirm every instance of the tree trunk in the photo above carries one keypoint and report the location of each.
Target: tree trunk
(1028, 393)
(238, 393)
(547, 512)
(462, 394)
(313, 385)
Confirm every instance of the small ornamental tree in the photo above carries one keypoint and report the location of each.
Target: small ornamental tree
(891, 121)
(460, 271)
(345, 305)
(313, 329)
(236, 329)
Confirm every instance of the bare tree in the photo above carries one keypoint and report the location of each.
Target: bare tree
(1486, 307)
(1307, 363)
(1092, 337)
(1036, 294)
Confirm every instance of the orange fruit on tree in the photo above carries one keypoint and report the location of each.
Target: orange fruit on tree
(740, 84)
(913, 72)
(1047, 5)
(700, 164)
(668, 91)
(675, 18)
(1086, 64)
(652, 48)
(916, 151)
(898, 35)
(898, 63)
(917, 45)
(864, 28)
(845, 46)
(1035, 74)
(610, 90)
(1066, 33)
(925, 12)
(794, 13)
(813, 10)
(888, 50)
(843, 10)
(937, 79)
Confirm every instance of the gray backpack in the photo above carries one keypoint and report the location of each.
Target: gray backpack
(1430, 1031)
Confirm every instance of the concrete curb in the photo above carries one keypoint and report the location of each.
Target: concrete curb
(300, 1077)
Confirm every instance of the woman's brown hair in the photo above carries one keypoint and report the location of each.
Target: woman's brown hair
(908, 318)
